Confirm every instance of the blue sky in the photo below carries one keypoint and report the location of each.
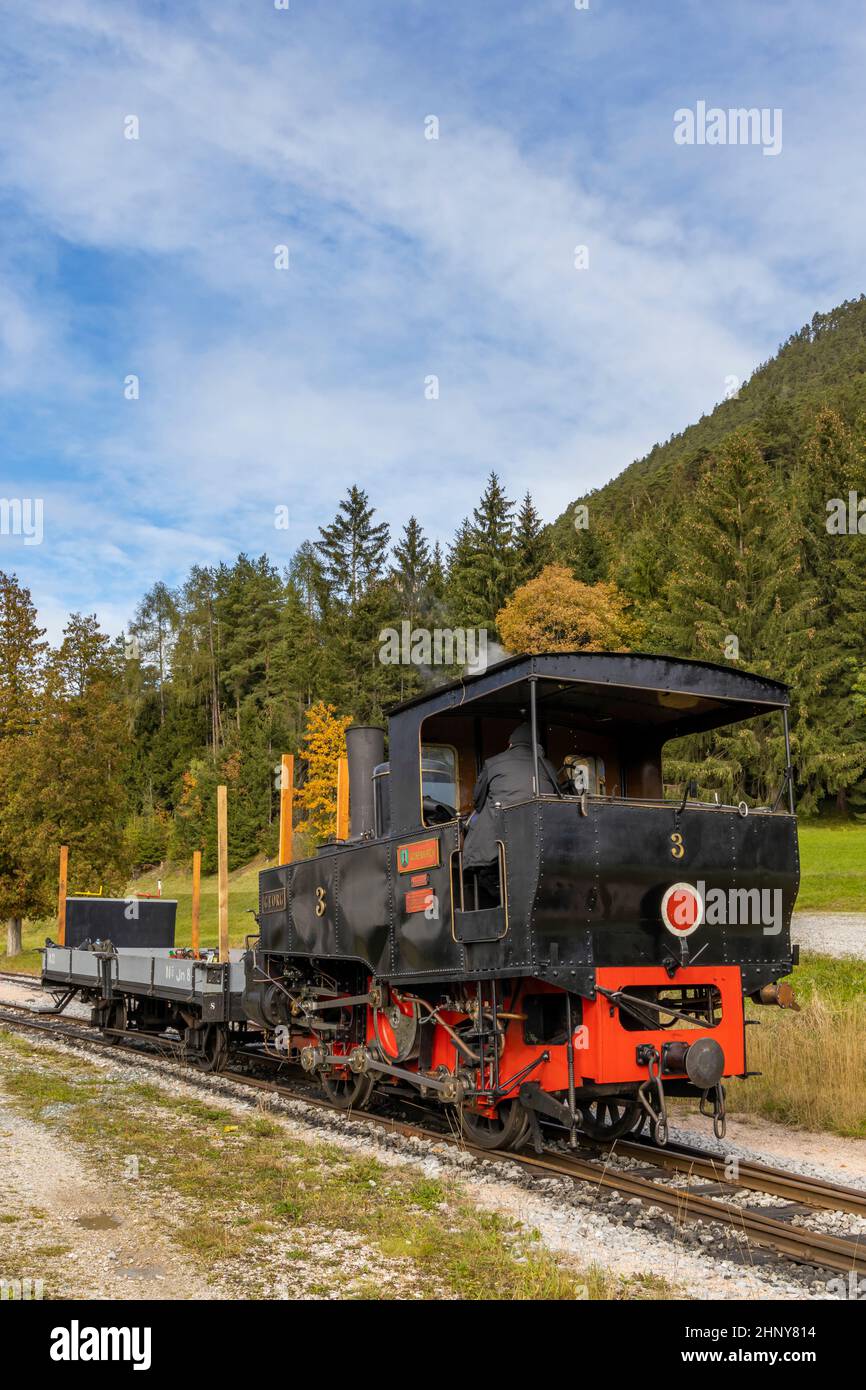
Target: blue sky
(409, 257)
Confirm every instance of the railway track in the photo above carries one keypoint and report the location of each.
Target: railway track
(602, 1171)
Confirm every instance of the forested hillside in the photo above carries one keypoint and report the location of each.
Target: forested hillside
(823, 364)
(716, 545)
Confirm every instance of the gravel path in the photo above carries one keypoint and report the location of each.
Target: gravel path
(830, 933)
(82, 1238)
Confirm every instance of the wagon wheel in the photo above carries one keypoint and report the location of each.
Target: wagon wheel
(349, 1092)
(115, 1018)
(507, 1129)
(214, 1051)
(610, 1117)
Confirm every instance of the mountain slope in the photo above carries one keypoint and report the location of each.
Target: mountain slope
(823, 363)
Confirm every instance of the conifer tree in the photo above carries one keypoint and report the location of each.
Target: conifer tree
(531, 547)
(481, 569)
(437, 579)
(353, 548)
(738, 592)
(411, 573)
(249, 608)
(197, 654)
(834, 566)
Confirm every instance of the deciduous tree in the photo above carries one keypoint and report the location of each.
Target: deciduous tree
(556, 613)
(323, 746)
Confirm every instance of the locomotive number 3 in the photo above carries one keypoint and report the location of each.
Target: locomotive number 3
(321, 902)
(678, 849)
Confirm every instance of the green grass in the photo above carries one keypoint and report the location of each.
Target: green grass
(833, 863)
(812, 1064)
(838, 982)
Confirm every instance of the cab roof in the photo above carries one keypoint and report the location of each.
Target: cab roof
(677, 695)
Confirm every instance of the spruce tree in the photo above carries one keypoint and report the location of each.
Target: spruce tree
(196, 659)
(353, 548)
(834, 565)
(531, 547)
(249, 610)
(737, 593)
(481, 571)
(437, 579)
(411, 573)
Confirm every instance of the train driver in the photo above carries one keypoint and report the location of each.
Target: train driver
(505, 780)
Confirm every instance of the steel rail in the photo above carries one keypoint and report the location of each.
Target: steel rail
(749, 1174)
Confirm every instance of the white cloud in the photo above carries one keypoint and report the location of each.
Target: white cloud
(409, 257)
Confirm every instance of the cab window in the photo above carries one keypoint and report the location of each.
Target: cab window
(439, 782)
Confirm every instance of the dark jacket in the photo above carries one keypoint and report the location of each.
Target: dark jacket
(505, 780)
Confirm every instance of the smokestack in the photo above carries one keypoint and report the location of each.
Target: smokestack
(365, 749)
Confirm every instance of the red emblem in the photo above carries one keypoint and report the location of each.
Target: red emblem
(682, 909)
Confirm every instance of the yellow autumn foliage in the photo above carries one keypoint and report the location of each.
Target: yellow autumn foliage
(323, 746)
(557, 613)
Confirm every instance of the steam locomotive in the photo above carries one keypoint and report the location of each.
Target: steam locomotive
(606, 967)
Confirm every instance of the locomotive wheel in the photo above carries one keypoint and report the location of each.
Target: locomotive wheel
(508, 1129)
(610, 1117)
(639, 1125)
(349, 1092)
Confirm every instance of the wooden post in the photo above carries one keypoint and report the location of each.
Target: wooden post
(287, 780)
(61, 895)
(196, 900)
(343, 799)
(223, 871)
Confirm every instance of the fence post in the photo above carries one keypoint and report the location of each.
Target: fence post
(223, 872)
(196, 901)
(287, 793)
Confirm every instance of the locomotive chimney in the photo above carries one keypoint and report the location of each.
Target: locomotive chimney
(365, 749)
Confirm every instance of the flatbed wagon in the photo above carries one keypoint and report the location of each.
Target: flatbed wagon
(152, 989)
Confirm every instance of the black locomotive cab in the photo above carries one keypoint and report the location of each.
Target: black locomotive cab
(616, 896)
(583, 870)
